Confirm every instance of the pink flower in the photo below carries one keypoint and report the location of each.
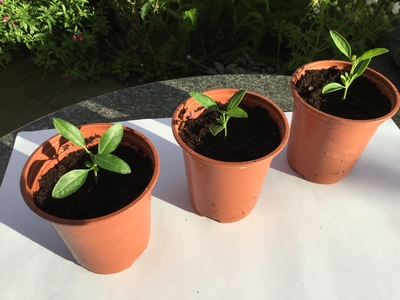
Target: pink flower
(1, 1)
(78, 35)
(5, 19)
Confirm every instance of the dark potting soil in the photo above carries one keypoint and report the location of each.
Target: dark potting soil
(248, 138)
(113, 191)
(363, 101)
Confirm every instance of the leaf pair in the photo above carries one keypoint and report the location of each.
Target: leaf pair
(73, 180)
(232, 109)
(359, 64)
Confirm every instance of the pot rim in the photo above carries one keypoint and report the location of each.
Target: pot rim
(176, 121)
(369, 73)
(56, 139)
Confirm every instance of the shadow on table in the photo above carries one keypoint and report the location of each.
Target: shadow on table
(14, 213)
(171, 186)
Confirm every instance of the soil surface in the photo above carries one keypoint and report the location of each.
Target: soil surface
(248, 138)
(363, 101)
(113, 192)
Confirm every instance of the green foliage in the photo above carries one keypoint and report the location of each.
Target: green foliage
(125, 66)
(232, 109)
(359, 64)
(178, 38)
(73, 180)
(56, 32)
(158, 39)
(307, 38)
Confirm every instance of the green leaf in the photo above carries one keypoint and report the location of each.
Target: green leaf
(332, 87)
(69, 183)
(69, 131)
(341, 43)
(204, 100)
(360, 68)
(215, 129)
(191, 14)
(112, 163)
(345, 77)
(111, 138)
(146, 7)
(221, 120)
(235, 99)
(237, 112)
(372, 53)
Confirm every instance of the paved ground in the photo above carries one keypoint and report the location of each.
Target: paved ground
(28, 92)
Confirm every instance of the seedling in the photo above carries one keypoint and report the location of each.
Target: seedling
(232, 109)
(359, 64)
(73, 180)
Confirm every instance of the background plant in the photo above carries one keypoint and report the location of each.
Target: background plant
(55, 32)
(362, 21)
(176, 38)
(160, 39)
(185, 37)
(148, 40)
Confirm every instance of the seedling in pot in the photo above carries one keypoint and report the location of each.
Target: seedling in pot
(359, 64)
(73, 180)
(232, 109)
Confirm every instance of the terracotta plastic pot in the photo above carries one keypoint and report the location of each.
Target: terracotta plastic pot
(106, 244)
(226, 191)
(325, 148)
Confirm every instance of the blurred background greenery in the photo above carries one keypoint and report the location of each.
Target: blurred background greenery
(139, 41)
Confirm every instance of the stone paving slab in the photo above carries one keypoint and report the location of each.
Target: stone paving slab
(18, 108)
(36, 81)
(84, 90)
(29, 92)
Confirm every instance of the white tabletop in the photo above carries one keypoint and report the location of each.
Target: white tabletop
(302, 240)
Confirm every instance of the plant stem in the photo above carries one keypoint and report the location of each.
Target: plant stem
(94, 168)
(345, 92)
(225, 123)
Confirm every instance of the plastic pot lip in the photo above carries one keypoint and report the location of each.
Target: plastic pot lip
(369, 73)
(56, 139)
(176, 121)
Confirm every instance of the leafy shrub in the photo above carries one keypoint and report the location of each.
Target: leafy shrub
(362, 21)
(55, 32)
(173, 36)
(158, 39)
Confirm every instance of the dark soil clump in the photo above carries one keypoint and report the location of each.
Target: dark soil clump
(247, 139)
(364, 100)
(113, 192)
